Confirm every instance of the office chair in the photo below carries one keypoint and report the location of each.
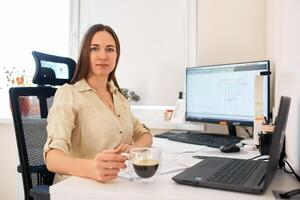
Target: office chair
(29, 106)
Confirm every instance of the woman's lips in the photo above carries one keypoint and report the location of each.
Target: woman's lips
(102, 65)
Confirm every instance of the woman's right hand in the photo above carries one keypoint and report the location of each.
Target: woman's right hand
(107, 164)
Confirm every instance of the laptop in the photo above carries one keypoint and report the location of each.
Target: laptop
(258, 174)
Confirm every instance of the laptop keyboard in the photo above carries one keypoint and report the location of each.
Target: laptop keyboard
(191, 137)
(235, 172)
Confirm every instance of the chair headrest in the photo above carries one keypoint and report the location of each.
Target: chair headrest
(52, 69)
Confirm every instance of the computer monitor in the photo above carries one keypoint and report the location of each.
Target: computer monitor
(225, 94)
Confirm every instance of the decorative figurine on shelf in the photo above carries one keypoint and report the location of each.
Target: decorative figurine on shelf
(16, 77)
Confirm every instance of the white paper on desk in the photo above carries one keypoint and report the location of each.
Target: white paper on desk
(176, 147)
(173, 162)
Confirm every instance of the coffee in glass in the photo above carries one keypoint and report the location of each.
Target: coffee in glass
(145, 168)
(145, 162)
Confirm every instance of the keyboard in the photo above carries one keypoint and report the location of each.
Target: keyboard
(192, 137)
(235, 172)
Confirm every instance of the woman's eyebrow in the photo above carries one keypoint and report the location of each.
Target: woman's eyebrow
(95, 45)
(110, 45)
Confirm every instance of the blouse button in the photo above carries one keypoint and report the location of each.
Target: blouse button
(119, 115)
(121, 132)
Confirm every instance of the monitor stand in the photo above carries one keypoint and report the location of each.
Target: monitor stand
(231, 129)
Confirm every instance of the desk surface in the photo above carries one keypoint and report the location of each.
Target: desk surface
(164, 188)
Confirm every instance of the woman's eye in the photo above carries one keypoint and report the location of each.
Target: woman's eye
(110, 49)
(95, 49)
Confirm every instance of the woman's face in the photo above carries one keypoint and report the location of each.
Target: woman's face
(103, 54)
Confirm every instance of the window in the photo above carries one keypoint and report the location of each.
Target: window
(31, 25)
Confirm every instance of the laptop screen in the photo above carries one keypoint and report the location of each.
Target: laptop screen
(278, 138)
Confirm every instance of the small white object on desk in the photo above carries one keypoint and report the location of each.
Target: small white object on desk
(250, 147)
(179, 111)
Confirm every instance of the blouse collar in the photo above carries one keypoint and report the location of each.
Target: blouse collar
(83, 86)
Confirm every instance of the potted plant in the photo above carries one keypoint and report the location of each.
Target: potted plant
(130, 95)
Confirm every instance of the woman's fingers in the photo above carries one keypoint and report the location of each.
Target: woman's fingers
(108, 164)
(122, 147)
(111, 157)
(107, 178)
(111, 151)
(110, 161)
(114, 171)
(113, 165)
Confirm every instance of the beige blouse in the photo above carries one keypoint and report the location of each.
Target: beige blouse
(81, 125)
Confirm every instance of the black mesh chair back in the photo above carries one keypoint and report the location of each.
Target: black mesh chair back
(30, 106)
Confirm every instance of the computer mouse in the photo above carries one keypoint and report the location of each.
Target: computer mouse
(229, 148)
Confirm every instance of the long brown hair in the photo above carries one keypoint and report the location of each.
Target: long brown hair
(83, 62)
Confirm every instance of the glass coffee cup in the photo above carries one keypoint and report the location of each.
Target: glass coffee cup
(145, 163)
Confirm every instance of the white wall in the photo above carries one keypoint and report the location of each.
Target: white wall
(283, 47)
(154, 42)
(9, 161)
(230, 31)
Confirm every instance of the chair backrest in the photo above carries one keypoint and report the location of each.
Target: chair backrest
(30, 106)
(52, 70)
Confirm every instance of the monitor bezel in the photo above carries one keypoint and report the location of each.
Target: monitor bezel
(228, 121)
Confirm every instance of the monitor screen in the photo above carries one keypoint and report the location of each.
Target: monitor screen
(225, 93)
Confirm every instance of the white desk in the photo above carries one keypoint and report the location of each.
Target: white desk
(164, 187)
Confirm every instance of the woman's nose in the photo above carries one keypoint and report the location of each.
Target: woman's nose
(102, 55)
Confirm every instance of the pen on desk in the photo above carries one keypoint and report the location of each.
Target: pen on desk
(204, 157)
(201, 157)
(266, 120)
(198, 157)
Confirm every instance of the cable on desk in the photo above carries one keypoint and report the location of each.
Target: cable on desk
(289, 194)
(292, 193)
(247, 131)
(292, 170)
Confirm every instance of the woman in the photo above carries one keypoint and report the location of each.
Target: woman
(90, 123)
